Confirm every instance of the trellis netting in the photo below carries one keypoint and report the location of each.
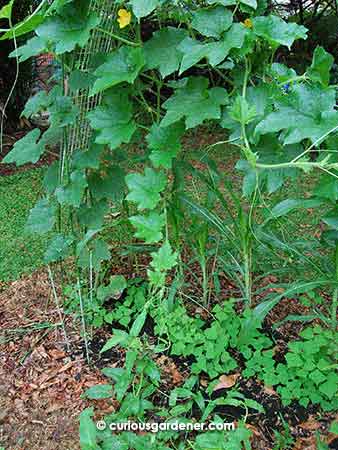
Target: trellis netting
(78, 135)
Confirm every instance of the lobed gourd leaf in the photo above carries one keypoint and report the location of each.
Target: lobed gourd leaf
(72, 193)
(113, 119)
(42, 217)
(322, 63)
(122, 65)
(165, 143)
(194, 102)
(142, 8)
(278, 32)
(145, 189)
(212, 22)
(26, 150)
(162, 51)
(149, 227)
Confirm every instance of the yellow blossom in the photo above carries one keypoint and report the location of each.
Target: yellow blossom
(248, 23)
(124, 18)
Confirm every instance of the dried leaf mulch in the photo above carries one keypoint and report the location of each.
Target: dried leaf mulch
(40, 384)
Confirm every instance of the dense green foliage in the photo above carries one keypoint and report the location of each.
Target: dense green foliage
(209, 62)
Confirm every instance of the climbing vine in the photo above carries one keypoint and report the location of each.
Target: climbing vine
(211, 62)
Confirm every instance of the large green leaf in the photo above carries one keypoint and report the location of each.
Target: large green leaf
(284, 207)
(113, 119)
(72, 193)
(278, 32)
(99, 391)
(42, 217)
(6, 11)
(116, 286)
(251, 3)
(165, 143)
(212, 22)
(138, 324)
(162, 52)
(215, 52)
(33, 47)
(194, 102)
(149, 227)
(63, 111)
(88, 430)
(58, 249)
(269, 150)
(306, 112)
(70, 29)
(28, 149)
(93, 254)
(145, 189)
(321, 65)
(118, 337)
(241, 111)
(107, 184)
(26, 26)
(92, 216)
(143, 8)
(123, 65)
(80, 80)
(282, 73)
(165, 259)
(88, 159)
(327, 188)
(35, 104)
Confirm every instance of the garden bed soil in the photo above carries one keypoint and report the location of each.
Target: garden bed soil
(41, 384)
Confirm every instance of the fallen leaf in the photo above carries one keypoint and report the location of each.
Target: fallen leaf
(226, 381)
(176, 376)
(269, 390)
(57, 354)
(305, 444)
(310, 424)
(204, 382)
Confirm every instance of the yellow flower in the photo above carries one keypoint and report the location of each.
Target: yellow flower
(124, 18)
(248, 23)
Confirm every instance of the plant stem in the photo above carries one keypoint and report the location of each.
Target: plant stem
(119, 38)
(247, 275)
(334, 308)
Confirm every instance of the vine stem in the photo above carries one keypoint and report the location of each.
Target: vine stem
(3, 110)
(334, 309)
(301, 165)
(7, 30)
(117, 37)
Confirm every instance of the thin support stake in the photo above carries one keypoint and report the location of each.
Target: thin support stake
(83, 321)
(58, 307)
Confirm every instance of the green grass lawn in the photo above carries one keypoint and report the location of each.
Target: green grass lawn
(20, 252)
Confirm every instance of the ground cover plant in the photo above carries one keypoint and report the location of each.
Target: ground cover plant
(20, 251)
(209, 249)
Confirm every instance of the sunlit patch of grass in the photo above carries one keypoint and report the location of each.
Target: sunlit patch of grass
(20, 252)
